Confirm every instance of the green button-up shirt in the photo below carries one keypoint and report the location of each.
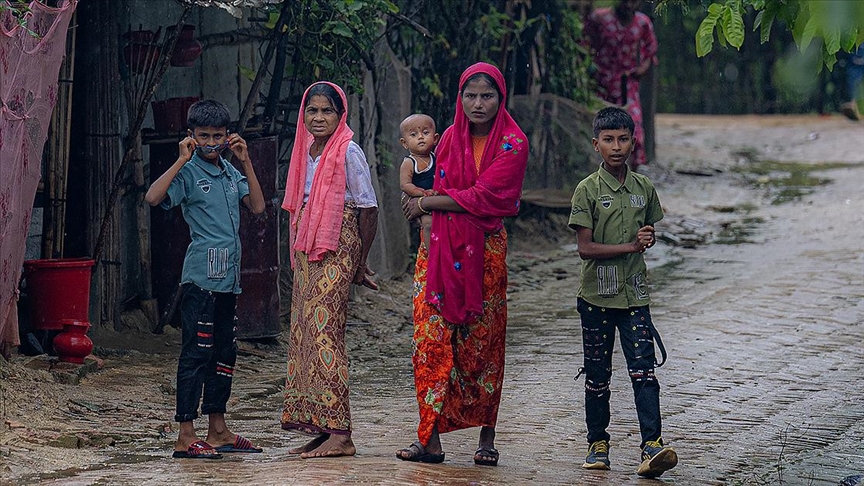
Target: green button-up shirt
(210, 199)
(615, 212)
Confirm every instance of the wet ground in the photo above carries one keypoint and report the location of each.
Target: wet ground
(763, 318)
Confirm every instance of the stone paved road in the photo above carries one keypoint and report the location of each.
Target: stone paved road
(765, 341)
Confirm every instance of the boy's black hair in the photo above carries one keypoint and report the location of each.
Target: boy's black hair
(613, 118)
(329, 92)
(208, 113)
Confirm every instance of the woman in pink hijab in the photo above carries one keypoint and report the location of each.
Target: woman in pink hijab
(334, 217)
(460, 283)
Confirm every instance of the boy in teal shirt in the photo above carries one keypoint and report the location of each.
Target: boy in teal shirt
(209, 190)
(613, 213)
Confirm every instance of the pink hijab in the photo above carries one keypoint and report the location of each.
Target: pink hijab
(454, 278)
(318, 231)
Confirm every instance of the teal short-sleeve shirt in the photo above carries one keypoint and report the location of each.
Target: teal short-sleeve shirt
(209, 197)
(615, 212)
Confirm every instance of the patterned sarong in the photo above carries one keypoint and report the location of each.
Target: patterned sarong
(459, 369)
(316, 388)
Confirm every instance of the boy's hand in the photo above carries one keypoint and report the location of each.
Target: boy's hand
(429, 192)
(187, 148)
(238, 147)
(645, 237)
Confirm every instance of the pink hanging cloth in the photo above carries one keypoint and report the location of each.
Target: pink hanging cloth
(29, 64)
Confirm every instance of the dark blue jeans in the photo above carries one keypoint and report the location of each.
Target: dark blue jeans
(598, 340)
(208, 354)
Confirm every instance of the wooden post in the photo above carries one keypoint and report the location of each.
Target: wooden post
(648, 97)
(142, 215)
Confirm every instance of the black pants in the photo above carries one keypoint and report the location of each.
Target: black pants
(208, 354)
(598, 339)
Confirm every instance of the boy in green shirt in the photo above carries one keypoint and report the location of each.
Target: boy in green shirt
(613, 213)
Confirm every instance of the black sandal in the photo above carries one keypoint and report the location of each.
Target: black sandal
(419, 454)
(486, 456)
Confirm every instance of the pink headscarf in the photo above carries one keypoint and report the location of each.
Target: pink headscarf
(454, 278)
(318, 231)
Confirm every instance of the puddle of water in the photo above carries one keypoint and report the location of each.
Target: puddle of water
(63, 476)
(745, 208)
(738, 232)
(134, 458)
(788, 181)
(658, 273)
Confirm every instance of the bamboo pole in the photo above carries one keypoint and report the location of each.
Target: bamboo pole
(142, 215)
(275, 37)
(102, 148)
(54, 222)
(135, 130)
(134, 91)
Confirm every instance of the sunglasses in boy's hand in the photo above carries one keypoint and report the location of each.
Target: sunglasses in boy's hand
(209, 149)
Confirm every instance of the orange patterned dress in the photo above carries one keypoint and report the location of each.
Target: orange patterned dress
(459, 369)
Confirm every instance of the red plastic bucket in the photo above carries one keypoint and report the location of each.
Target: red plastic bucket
(58, 289)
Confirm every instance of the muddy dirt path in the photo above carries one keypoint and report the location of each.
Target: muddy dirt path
(763, 318)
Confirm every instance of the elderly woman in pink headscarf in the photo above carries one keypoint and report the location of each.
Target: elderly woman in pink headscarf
(460, 282)
(334, 217)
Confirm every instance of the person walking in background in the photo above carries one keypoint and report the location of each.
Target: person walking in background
(334, 217)
(613, 212)
(460, 279)
(209, 190)
(623, 47)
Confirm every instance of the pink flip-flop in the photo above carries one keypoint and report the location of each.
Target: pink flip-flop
(241, 444)
(196, 450)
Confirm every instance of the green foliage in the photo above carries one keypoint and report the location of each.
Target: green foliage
(568, 58)
(433, 85)
(837, 25)
(534, 43)
(538, 46)
(247, 72)
(333, 38)
(705, 34)
(770, 77)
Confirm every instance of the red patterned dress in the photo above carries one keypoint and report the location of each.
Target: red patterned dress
(459, 369)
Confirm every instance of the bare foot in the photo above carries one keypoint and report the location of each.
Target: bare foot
(217, 431)
(487, 454)
(334, 446)
(311, 445)
(433, 447)
(217, 440)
